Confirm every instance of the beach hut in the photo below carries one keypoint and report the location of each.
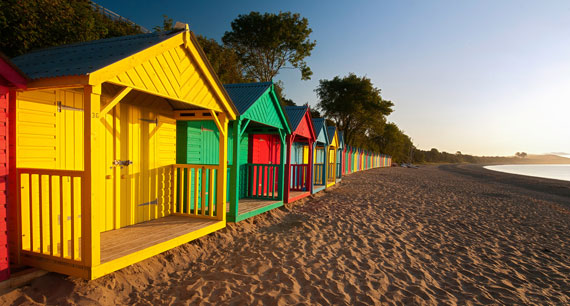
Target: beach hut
(11, 79)
(320, 155)
(339, 155)
(257, 159)
(98, 184)
(298, 170)
(350, 160)
(331, 155)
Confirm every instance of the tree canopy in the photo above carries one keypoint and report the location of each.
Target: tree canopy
(266, 43)
(354, 104)
(224, 60)
(35, 24)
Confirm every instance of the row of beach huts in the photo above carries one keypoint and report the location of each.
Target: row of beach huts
(113, 151)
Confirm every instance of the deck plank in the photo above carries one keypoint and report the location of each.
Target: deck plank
(130, 239)
(248, 205)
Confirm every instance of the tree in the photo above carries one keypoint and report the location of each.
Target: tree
(224, 60)
(354, 104)
(266, 43)
(167, 24)
(35, 24)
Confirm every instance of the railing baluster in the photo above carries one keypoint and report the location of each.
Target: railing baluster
(50, 203)
(40, 209)
(251, 173)
(211, 195)
(263, 169)
(196, 186)
(179, 207)
(203, 189)
(72, 219)
(31, 214)
(61, 227)
(188, 189)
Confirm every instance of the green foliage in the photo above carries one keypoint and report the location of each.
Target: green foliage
(355, 105)
(167, 25)
(266, 43)
(224, 60)
(35, 24)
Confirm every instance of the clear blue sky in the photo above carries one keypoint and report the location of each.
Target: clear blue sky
(481, 77)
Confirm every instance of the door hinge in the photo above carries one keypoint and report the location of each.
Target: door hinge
(61, 107)
(155, 121)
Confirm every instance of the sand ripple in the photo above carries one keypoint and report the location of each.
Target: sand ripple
(384, 236)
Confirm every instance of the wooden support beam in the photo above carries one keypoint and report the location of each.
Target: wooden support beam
(247, 121)
(114, 101)
(218, 124)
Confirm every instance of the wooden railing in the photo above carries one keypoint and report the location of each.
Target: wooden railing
(331, 172)
(263, 181)
(195, 190)
(299, 177)
(319, 174)
(50, 204)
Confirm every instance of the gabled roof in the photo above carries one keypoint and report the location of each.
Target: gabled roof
(244, 95)
(340, 139)
(319, 124)
(169, 65)
(300, 121)
(295, 114)
(86, 57)
(10, 75)
(331, 129)
(258, 102)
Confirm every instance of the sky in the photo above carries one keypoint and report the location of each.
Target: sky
(480, 77)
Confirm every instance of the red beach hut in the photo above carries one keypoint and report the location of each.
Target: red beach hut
(10, 79)
(298, 174)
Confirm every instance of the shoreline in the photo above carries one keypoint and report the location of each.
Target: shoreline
(556, 190)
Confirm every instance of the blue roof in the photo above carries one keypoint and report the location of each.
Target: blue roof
(295, 114)
(319, 125)
(244, 95)
(340, 139)
(86, 57)
(330, 132)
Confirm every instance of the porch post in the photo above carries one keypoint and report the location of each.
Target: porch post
(326, 165)
(90, 238)
(222, 168)
(287, 181)
(234, 174)
(310, 170)
(282, 175)
(312, 165)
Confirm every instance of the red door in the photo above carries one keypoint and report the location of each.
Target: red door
(265, 155)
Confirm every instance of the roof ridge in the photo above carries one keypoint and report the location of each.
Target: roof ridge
(250, 84)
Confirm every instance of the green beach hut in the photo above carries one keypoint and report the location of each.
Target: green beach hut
(257, 159)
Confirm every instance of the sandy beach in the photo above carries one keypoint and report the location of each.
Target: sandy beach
(454, 235)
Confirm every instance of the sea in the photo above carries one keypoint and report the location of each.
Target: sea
(554, 171)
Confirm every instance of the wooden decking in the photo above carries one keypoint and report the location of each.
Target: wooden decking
(296, 195)
(248, 205)
(318, 188)
(134, 238)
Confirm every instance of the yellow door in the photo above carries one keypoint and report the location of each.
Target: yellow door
(140, 149)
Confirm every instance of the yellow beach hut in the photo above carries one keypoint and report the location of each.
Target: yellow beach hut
(95, 147)
(331, 155)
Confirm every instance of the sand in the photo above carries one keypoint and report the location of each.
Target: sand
(394, 236)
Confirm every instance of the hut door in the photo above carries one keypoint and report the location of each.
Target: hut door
(266, 150)
(139, 150)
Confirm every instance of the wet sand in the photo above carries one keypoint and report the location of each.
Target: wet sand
(456, 235)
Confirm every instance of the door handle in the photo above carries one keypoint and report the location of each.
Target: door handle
(122, 163)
